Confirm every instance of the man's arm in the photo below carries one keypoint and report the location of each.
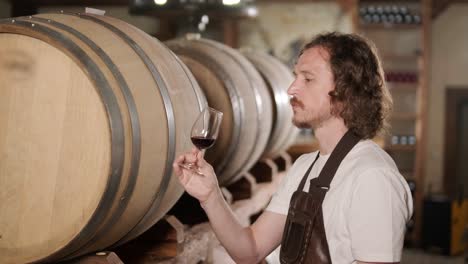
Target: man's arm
(244, 244)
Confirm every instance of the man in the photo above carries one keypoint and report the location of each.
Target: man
(338, 87)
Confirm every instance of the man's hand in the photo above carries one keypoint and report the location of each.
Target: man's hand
(200, 182)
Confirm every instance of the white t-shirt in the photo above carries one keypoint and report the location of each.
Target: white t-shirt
(366, 208)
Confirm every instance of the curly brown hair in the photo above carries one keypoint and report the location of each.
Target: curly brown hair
(360, 96)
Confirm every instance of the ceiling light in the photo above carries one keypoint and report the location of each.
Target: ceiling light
(252, 11)
(231, 2)
(160, 2)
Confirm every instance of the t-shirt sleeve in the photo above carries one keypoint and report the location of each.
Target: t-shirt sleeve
(379, 209)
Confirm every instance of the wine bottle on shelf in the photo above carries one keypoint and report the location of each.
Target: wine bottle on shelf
(362, 11)
(384, 18)
(376, 18)
(379, 10)
(388, 14)
(408, 19)
(387, 9)
(398, 19)
(403, 10)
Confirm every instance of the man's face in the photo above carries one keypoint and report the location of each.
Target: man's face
(313, 81)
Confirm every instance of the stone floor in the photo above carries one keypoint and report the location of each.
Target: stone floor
(414, 256)
(410, 256)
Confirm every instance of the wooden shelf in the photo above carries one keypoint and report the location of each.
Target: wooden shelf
(401, 57)
(384, 26)
(379, 140)
(298, 149)
(304, 148)
(393, 148)
(402, 86)
(404, 116)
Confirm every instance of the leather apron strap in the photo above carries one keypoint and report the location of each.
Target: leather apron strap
(304, 238)
(344, 146)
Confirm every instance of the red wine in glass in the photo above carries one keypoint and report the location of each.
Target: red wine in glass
(202, 142)
(204, 132)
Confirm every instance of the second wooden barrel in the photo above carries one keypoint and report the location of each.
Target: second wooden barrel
(278, 78)
(233, 85)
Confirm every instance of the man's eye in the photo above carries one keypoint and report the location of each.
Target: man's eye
(308, 80)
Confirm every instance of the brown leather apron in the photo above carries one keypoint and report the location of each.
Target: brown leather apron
(304, 239)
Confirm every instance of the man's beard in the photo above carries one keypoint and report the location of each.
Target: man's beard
(299, 123)
(308, 120)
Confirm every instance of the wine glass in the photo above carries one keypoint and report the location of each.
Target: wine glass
(204, 132)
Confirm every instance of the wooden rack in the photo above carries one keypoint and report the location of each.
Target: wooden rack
(172, 241)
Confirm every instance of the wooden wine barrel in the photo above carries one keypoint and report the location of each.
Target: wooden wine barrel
(93, 112)
(278, 79)
(232, 85)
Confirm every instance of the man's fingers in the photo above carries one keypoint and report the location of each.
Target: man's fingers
(180, 159)
(190, 158)
(201, 162)
(188, 178)
(195, 151)
(176, 167)
(185, 177)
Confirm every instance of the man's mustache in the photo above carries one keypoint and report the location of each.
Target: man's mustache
(295, 102)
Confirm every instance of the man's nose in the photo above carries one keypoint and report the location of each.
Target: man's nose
(292, 90)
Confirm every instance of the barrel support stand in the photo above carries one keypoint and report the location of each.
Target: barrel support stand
(284, 161)
(264, 170)
(104, 257)
(162, 241)
(242, 188)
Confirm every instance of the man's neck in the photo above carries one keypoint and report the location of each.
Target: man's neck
(329, 134)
